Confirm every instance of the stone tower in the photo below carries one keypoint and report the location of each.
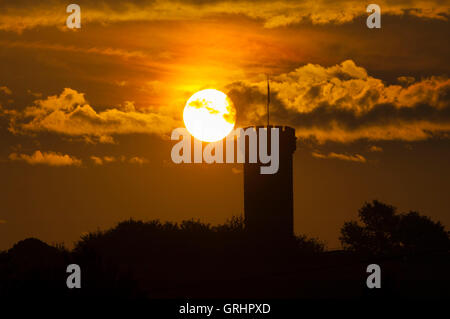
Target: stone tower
(268, 199)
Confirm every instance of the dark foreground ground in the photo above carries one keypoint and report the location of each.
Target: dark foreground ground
(149, 261)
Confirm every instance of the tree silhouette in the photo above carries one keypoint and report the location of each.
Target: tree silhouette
(165, 259)
(384, 231)
(30, 267)
(154, 259)
(419, 233)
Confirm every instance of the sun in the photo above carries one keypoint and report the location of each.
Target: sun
(209, 115)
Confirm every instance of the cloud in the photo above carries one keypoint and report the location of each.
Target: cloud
(340, 103)
(22, 14)
(5, 90)
(343, 157)
(138, 160)
(70, 114)
(103, 51)
(2, 221)
(46, 158)
(375, 148)
(98, 160)
(236, 170)
(109, 159)
(344, 103)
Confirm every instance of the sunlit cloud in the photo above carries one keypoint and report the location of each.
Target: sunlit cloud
(22, 14)
(70, 114)
(5, 90)
(344, 157)
(138, 160)
(375, 148)
(104, 51)
(340, 103)
(46, 158)
(236, 170)
(97, 160)
(101, 160)
(344, 103)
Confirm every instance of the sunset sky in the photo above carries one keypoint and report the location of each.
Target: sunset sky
(86, 115)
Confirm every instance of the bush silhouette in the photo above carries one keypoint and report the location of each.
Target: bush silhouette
(384, 232)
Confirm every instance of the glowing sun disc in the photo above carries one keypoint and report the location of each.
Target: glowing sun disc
(209, 115)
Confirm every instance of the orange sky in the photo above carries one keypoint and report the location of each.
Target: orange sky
(86, 114)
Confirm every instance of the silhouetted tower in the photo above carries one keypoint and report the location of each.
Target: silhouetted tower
(268, 199)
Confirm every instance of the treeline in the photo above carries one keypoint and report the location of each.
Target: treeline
(155, 259)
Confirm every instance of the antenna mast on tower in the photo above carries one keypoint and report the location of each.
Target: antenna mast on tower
(268, 99)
